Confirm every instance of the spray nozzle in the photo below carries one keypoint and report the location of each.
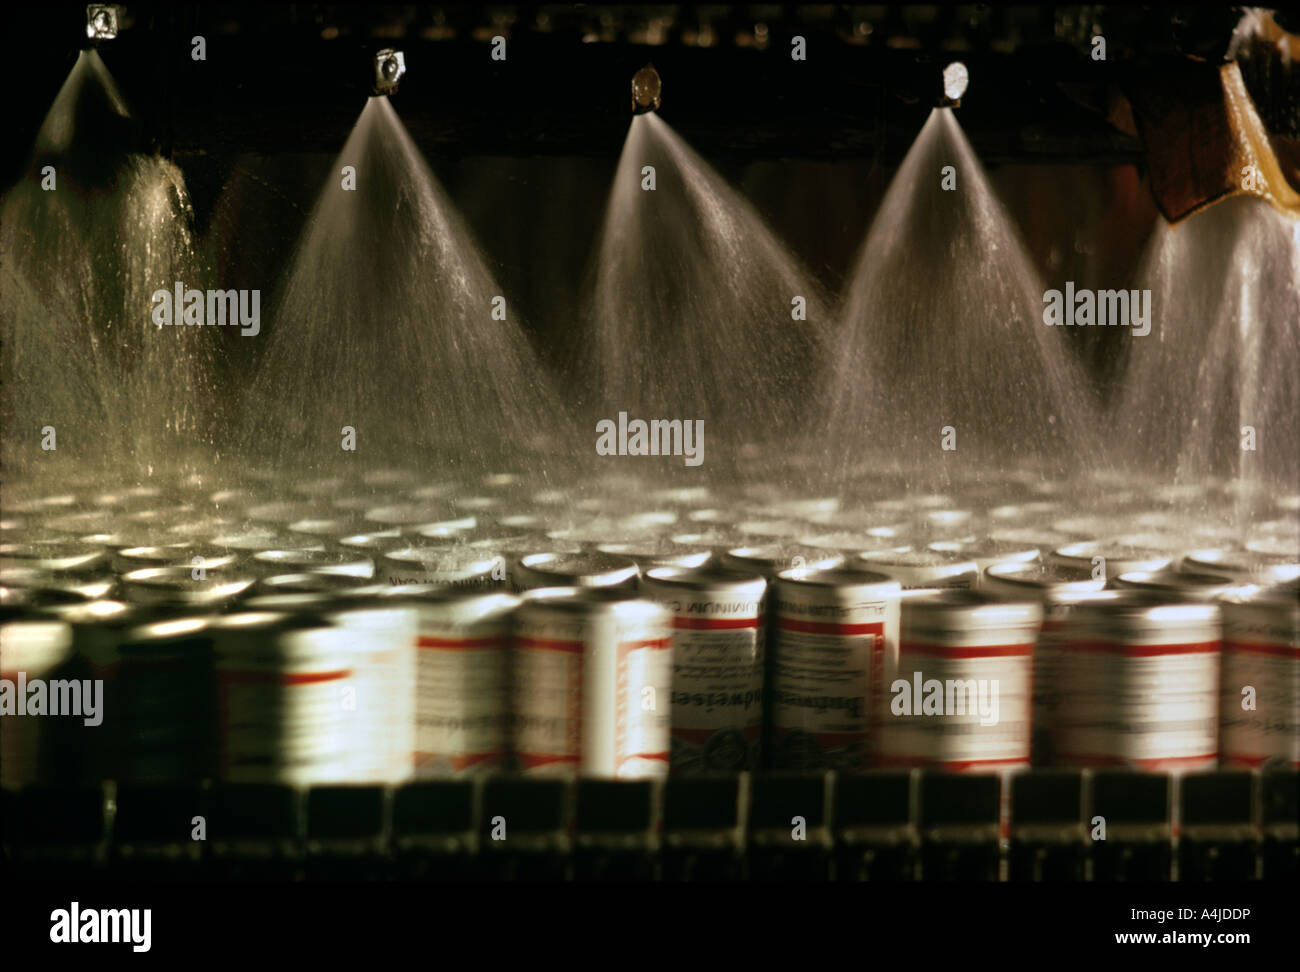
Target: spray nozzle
(102, 20)
(645, 90)
(955, 79)
(390, 65)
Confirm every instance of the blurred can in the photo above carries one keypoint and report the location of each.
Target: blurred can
(462, 646)
(281, 688)
(962, 699)
(717, 680)
(378, 699)
(266, 563)
(592, 683)
(1141, 678)
(1057, 588)
(836, 644)
(1260, 696)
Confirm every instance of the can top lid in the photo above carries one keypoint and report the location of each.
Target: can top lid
(589, 568)
(1176, 582)
(711, 575)
(178, 585)
(839, 577)
(584, 600)
(922, 557)
(959, 609)
(1269, 566)
(1041, 580)
(774, 557)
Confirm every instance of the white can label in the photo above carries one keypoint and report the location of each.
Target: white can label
(823, 687)
(461, 702)
(717, 685)
(642, 717)
(1150, 706)
(547, 709)
(1260, 701)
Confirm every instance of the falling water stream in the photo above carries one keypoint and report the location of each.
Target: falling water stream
(942, 366)
(391, 325)
(1213, 392)
(697, 312)
(89, 235)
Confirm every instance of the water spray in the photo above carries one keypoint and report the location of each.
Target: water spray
(390, 65)
(955, 79)
(102, 20)
(645, 90)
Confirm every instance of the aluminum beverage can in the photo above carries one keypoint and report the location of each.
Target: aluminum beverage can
(836, 643)
(1057, 588)
(592, 683)
(962, 698)
(718, 648)
(378, 699)
(1142, 678)
(1260, 698)
(462, 649)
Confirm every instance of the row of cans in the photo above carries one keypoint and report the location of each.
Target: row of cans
(593, 667)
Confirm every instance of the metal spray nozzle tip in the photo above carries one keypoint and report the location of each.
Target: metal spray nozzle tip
(955, 80)
(390, 65)
(645, 90)
(102, 20)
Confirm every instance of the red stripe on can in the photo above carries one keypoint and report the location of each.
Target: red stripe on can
(974, 651)
(1143, 651)
(282, 678)
(458, 644)
(548, 644)
(714, 624)
(1280, 651)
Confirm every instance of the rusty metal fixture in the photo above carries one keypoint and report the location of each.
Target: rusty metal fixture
(1205, 141)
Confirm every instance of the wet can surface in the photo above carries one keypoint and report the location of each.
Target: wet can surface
(718, 649)
(836, 644)
(962, 697)
(1141, 673)
(592, 683)
(1260, 694)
